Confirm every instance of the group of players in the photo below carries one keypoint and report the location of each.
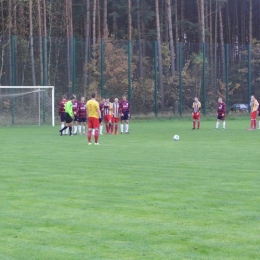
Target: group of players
(221, 113)
(75, 115)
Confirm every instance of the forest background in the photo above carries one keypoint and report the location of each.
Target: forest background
(161, 53)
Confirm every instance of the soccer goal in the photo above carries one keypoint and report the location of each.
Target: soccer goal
(27, 105)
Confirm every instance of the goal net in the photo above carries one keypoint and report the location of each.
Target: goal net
(27, 105)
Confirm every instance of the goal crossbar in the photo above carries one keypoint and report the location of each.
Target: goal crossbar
(38, 88)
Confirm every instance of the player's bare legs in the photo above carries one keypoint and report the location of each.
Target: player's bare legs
(89, 135)
(96, 136)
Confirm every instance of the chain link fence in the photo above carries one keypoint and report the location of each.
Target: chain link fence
(116, 67)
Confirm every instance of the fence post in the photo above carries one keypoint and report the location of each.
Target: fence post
(102, 68)
(13, 72)
(204, 77)
(227, 74)
(130, 72)
(44, 75)
(155, 77)
(180, 78)
(249, 75)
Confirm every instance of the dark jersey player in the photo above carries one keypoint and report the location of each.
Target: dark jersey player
(82, 116)
(221, 113)
(62, 114)
(69, 116)
(124, 110)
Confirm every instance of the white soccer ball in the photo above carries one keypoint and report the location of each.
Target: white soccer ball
(176, 138)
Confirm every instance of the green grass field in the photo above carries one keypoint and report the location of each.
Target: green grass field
(137, 196)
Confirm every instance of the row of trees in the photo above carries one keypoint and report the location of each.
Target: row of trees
(169, 22)
(231, 21)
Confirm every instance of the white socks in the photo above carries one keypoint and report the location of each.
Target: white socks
(101, 129)
(75, 129)
(224, 125)
(79, 129)
(62, 125)
(122, 128)
(67, 131)
(126, 128)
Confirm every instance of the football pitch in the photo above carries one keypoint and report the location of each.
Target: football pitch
(136, 196)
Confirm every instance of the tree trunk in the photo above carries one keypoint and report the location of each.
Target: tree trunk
(31, 44)
(169, 15)
(159, 53)
(176, 30)
(40, 38)
(98, 15)
(69, 42)
(105, 28)
(87, 45)
(129, 10)
(202, 21)
(182, 19)
(250, 37)
(94, 21)
(222, 45)
(140, 43)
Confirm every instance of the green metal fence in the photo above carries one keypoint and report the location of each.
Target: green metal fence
(116, 67)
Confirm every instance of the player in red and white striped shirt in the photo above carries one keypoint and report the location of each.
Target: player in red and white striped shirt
(115, 116)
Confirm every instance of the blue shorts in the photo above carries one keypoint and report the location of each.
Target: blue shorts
(82, 120)
(62, 117)
(76, 119)
(125, 116)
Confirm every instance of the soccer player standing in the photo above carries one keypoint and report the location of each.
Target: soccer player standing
(124, 110)
(221, 113)
(82, 115)
(94, 118)
(75, 106)
(62, 114)
(254, 108)
(108, 115)
(115, 116)
(69, 116)
(196, 106)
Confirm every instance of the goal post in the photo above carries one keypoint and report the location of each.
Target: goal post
(26, 104)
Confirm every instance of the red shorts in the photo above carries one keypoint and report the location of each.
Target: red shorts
(107, 118)
(93, 122)
(253, 115)
(196, 115)
(115, 119)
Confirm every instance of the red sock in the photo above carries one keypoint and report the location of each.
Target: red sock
(116, 128)
(194, 124)
(89, 135)
(107, 128)
(254, 123)
(112, 129)
(96, 136)
(198, 125)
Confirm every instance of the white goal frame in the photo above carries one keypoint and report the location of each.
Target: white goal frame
(38, 88)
